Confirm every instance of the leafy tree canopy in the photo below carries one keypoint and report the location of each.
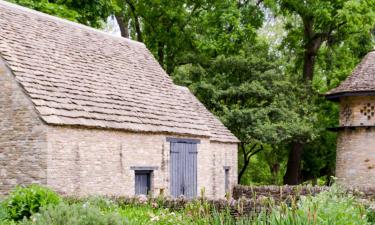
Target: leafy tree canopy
(88, 12)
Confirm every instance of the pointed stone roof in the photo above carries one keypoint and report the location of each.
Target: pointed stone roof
(360, 82)
(76, 75)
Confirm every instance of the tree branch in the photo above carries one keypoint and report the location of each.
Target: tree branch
(136, 21)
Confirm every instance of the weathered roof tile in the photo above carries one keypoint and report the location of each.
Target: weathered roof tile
(362, 80)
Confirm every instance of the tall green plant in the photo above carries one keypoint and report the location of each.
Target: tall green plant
(22, 202)
(333, 207)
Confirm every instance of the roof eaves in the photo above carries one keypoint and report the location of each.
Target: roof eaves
(335, 96)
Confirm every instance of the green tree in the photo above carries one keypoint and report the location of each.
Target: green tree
(91, 13)
(253, 98)
(310, 25)
(183, 32)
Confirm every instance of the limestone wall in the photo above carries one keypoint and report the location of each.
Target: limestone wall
(91, 161)
(84, 161)
(22, 136)
(357, 111)
(355, 163)
(224, 155)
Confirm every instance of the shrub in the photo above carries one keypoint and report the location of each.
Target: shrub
(76, 214)
(332, 207)
(3, 212)
(24, 201)
(102, 203)
(370, 216)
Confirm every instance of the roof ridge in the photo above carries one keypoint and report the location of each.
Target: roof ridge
(62, 20)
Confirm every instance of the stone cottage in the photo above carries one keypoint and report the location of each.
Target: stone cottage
(355, 164)
(85, 112)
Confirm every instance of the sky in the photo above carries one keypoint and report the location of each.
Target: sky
(112, 26)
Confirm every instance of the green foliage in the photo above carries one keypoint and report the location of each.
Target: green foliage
(267, 167)
(91, 13)
(51, 8)
(333, 22)
(76, 214)
(371, 215)
(183, 32)
(332, 207)
(25, 201)
(255, 99)
(3, 212)
(252, 97)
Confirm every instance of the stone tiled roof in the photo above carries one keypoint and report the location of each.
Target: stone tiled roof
(218, 131)
(76, 75)
(362, 79)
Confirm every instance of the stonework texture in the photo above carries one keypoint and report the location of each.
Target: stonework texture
(357, 111)
(23, 143)
(355, 164)
(63, 102)
(77, 161)
(84, 162)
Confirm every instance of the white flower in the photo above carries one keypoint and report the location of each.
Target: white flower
(372, 207)
(155, 218)
(142, 199)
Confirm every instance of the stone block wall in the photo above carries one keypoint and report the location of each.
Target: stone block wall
(224, 156)
(357, 111)
(23, 149)
(91, 161)
(355, 160)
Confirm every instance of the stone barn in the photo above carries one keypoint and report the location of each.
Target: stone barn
(355, 164)
(85, 112)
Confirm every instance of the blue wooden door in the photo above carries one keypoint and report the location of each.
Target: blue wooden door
(183, 169)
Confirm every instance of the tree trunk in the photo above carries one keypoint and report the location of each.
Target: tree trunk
(161, 53)
(311, 51)
(136, 21)
(246, 162)
(311, 48)
(275, 169)
(123, 26)
(138, 29)
(308, 66)
(169, 62)
(292, 175)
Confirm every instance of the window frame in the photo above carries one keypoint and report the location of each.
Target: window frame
(148, 174)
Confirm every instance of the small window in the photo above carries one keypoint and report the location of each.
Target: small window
(226, 179)
(142, 182)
